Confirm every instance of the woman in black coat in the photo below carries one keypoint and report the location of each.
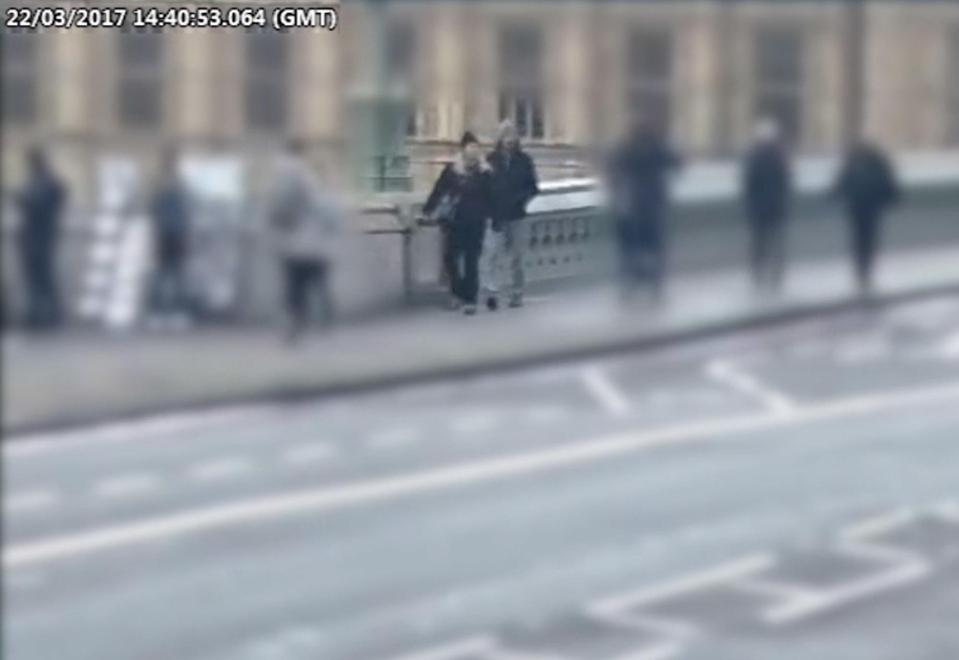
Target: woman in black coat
(463, 197)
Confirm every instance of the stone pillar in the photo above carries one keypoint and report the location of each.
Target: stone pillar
(854, 37)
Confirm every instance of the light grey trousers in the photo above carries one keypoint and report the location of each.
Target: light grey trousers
(503, 258)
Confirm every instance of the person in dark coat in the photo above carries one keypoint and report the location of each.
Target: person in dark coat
(41, 203)
(514, 185)
(464, 187)
(639, 185)
(767, 189)
(170, 216)
(868, 186)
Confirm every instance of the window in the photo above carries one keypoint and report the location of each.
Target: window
(20, 64)
(140, 82)
(401, 64)
(266, 89)
(779, 79)
(649, 77)
(521, 79)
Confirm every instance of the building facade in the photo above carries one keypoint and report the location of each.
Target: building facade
(569, 74)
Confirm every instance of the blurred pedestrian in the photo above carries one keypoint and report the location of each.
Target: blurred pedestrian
(767, 189)
(170, 217)
(868, 185)
(40, 202)
(514, 185)
(306, 221)
(462, 200)
(639, 186)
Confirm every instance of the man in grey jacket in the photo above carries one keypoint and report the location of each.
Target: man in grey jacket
(305, 221)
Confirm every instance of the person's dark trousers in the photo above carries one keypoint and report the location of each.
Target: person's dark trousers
(169, 291)
(768, 252)
(866, 224)
(463, 266)
(642, 255)
(43, 296)
(303, 277)
(449, 264)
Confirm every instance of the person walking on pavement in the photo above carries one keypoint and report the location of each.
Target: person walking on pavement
(514, 185)
(41, 203)
(639, 186)
(767, 189)
(462, 199)
(170, 216)
(868, 185)
(306, 221)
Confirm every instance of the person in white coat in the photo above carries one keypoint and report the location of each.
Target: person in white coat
(306, 221)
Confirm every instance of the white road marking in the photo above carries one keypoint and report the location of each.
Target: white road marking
(723, 429)
(817, 603)
(949, 348)
(126, 485)
(605, 391)
(174, 424)
(724, 574)
(31, 501)
(881, 524)
(392, 438)
(729, 374)
(308, 454)
(663, 651)
(471, 646)
(903, 567)
(771, 588)
(219, 469)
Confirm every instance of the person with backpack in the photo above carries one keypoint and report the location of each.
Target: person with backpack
(867, 184)
(462, 203)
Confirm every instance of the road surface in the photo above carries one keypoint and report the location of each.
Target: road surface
(791, 493)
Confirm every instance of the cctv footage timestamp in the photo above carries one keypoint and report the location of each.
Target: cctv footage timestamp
(151, 17)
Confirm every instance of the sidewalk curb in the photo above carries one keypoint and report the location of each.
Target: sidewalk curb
(291, 394)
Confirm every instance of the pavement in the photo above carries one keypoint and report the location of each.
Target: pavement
(786, 492)
(75, 378)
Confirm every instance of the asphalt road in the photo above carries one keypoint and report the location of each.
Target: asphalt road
(789, 494)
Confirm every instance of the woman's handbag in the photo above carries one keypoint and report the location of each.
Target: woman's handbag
(445, 211)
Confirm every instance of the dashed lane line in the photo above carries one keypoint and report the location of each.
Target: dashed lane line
(308, 454)
(126, 485)
(392, 438)
(220, 469)
(173, 425)
(365, 492)
(30, 501)
(473, 423)
(544, 414)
